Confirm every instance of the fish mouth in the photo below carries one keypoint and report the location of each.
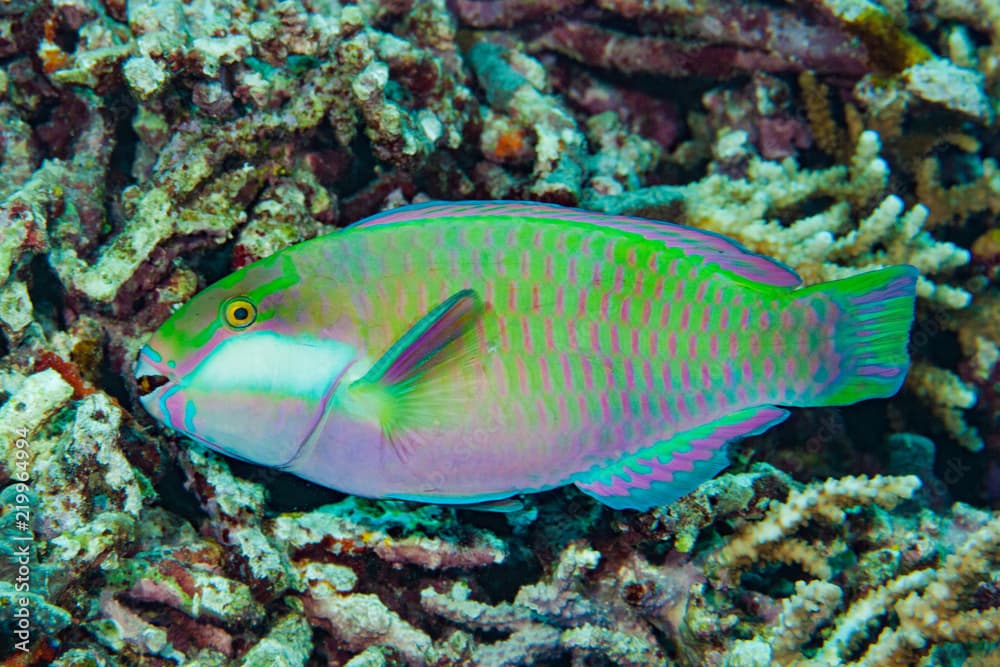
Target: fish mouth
(148, 377)
(147, 384)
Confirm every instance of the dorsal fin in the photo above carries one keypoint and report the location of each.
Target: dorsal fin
(725, 252)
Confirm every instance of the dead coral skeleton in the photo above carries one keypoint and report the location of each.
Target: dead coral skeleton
(931, 594)
(769, 537)
(933, 605)
(825, 246)
(562, 614)
(706, 38)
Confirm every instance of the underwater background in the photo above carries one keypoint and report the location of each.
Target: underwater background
(149, 148)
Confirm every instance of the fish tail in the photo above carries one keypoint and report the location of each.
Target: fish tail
(874, 312)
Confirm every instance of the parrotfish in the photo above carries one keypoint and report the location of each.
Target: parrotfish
(468, 352)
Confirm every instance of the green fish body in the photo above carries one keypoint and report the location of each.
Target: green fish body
(467, 352)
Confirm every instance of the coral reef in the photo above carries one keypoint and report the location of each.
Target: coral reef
(147, 148)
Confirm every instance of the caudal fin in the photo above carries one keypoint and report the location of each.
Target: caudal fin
(872, 332)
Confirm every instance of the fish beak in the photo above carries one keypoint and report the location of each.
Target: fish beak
(149, 383)
(147, 376)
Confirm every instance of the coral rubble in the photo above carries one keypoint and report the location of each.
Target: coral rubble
(147, 148)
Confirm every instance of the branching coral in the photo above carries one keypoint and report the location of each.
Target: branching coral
(979, 336)
(981, 16)
(558, 141)
(190, 197)
(958, 202)
(825, 246)
(770, 537)
(947, 396)
(930, 593)
(933, 606)
(555, 616)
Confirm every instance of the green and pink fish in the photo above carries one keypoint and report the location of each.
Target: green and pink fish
(466, 352)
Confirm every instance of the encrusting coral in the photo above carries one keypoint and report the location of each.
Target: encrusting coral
(148, 148)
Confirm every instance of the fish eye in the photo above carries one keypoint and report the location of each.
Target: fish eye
(239, 312)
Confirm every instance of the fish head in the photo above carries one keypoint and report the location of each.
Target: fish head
(236, 369)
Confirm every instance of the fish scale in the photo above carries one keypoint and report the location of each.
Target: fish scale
(518, 278)
(521, 329)
(466, 352)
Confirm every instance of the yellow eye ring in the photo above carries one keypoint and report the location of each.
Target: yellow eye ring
(239, 312)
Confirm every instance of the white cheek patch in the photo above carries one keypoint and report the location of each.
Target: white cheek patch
(268, 362)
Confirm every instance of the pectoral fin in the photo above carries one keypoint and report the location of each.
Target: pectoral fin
(417, 385)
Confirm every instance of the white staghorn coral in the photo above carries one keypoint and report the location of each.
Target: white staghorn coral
(827, 501)
(827, 246)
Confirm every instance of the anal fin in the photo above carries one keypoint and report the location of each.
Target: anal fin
(668, 469)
